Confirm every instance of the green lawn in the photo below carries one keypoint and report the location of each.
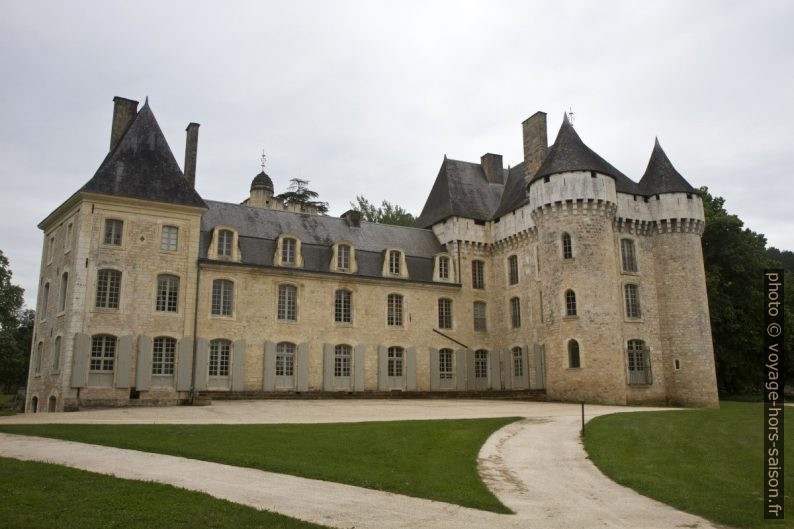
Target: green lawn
(43, 496)
(427, 459)
(707, 462)
(3, 399)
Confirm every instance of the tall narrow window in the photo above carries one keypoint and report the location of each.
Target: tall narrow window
(45, 302)
(477, 274)
(56, 355)
(445, 364)
(394, 262)
(443, 267)
(395, 362)
(288, 246)
(639, 361)
(570, 303)
(287, 303)
(481, 364)
(222, 297)
(285, 359)
(480, 321)
(567, 246)
(225, 239)
(113, 231)
(518, 362)
(50, 249)
(444, 313)
(343, 257)
(220, 353)
(103, 353)
(632, 294)
(628, 255)
(342, 355)
(394, 310)
(169, 239)
(343, 306)
(512, 264)
(108, 289)
(67, 244)
(573, 354)
(62, 295)
(37, 359)
(515, 312)
(167, 293)
(163, 353)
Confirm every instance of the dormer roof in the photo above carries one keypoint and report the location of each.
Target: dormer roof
(661, 177)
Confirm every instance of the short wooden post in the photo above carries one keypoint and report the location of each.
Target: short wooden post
(582, 418)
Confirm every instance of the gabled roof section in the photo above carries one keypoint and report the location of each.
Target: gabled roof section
(461, 189)
(661, 177)
(142, 166)
(569, 153)
(515, 192)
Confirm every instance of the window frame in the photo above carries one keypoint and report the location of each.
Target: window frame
(632, 305)
(628, 256)
(225, 244)
(344, 254)
(113, 232)
(163, 356)
(62, 292)
(55, 361)
(444, 263)
(104, 357)
(395, 361)
(285, 359)
(289, 251)
(220, 365)
(343, 360)
(445, 320)
(638, 362)
(481, 363)
(221, 298)
(512, 270)
(567, 246)
(480, 315)
(515, 312)
(105, 299)
(395, 262)
(446, 364)
(287, 303)
(343, 306)
(517, 354)
(571, 308)
(167, 298)
(395, 310)
(574, 353)
(169, 236)
(478, 274)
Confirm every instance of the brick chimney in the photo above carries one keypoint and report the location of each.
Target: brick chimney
(191, 150)
(124, 111)
(492, 166)
(536, 143)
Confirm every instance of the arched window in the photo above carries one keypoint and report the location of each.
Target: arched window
(288, 251)
(570, 303)
(225, 240)
(639, 362)
(394, 310)
(394, 262)
(56, 355)
(444, 313)
(480, 316)
(515, 312)
(62, 296)
(342, 356)
(103, 353)
(34, 404)
(628, 255)
(567, 246)
(573, 354)
(343, 306)
(220, 355)
(343, 258)
(163, 353)
(108, 289)
(167, 293)
(445, 357)
(512, 265)
(395, 362)
(222, 297)
(287, 309)
(478, 274)
(285, 359)
(481, 363)
(51, 403)
(632, 295)
(518, 362)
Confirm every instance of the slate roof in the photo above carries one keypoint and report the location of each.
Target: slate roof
(569, 153)
(461, 189)
(142, 166)
(515, 192)
(661, 177)
(262, 180)
(259, 228)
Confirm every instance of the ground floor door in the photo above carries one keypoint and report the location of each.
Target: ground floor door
(285, 366)
(395, 368)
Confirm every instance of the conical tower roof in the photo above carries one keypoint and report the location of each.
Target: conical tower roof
(661, 177)
(142, 166)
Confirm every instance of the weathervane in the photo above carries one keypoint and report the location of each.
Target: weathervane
(570, 115)
(264, 159)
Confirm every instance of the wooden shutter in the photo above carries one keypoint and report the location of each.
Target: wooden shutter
(238, 365)
(202, 357)
(81, 350)
(303, 367)
(184, 363)
(328, 367)
(382, 367)
(358, 367)
(435, 380)
(410, 367)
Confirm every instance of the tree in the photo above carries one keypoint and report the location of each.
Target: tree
(387, 213)
(16, 331)
(298, 192)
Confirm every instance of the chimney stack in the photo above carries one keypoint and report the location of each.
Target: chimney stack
(124, 111)
(352, 217)
(191, 149)
(492, 166)
(536, 143)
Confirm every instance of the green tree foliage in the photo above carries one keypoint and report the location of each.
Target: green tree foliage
(16, 331)
(735, 258)
(298, 192)
(387, 213)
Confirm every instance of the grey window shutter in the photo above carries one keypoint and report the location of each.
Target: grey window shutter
(124, 363)
(507, 362)
(460, 368)
(358, 366)
(527, 370)
(470, 380)
(202, 357)
(269, 375)
(184, 363)
(143, 375)
(238, 365)
(303, 367)
(539, 382)
(328, 367)
(382, 367)
(80, 351)
(410, 367)
(495, 370)
(434, 374)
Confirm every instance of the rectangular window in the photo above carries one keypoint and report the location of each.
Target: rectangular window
(628, 255)
(481, 364)
(480, 322)
(163, 353)
(220, 351)
(632, 301)
(287, 303)
(45, 301)
(288, 251)
(342, 361)
(513, 266)
(285, 359)
(444, 313)
(343, 302)
(394, 316)
(443, 267)
(103, 353)
(639, 363)
(394, 262)
(518, 362)
(445, 364)
(343, 258)
(225, 239)
(395, 362)
(167, 293)
(108, 289)
(478, 274)
(50, 249)
(169, 239)
(113, 229)
(515, 312)
(222, 297)
(56, 355)
(67, 244)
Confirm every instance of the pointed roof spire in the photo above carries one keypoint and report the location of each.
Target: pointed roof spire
(660, 175)
(569, 153)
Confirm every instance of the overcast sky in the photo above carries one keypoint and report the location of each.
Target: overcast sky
(366, 97)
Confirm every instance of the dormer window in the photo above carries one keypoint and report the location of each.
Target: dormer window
(343, 258)
(225, 238)
(288, 246)
(394, 262)
(443, 267)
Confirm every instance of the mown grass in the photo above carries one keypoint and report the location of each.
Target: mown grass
(706, 462)
(44, 496)
(428, 459)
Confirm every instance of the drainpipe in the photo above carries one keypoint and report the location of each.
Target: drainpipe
(195, 334)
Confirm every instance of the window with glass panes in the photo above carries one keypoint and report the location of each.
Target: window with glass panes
(167, 293)
(343, 306)
(287, 309)
(394, 310)
(570, 303)
(515, 312)
(445, 370)
(512, 263)
(169, 238)
(444, 313)
(225, 239)
(343, 257)
(103, 353)
(220, 353)
(480, 322)
(395, 362)
(443, 267)
(573, 354)
(108, 288)
(632, 294)
(567, 246)
(518, 362)
(394, 262)
(288, 246)
(163, 354)
(222, 297)
(481, 363)
(477, 274)
(113, 231)
(342, 355)
(628, 256)
(285, 359)
(56, 355)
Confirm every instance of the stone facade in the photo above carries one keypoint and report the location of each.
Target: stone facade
(132, 306)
